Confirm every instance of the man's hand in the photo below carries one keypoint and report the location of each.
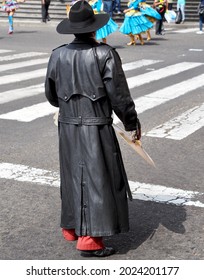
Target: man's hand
(136, 134)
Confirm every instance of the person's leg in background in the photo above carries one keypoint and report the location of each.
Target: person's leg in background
(108, 7)
(159, 26)
(43, 10)
(10, 19)
(47, 5)
(170, 6)
(201, 20)
(116, 6)
(182, 7)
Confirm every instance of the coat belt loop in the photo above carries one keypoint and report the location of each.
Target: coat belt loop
(86, 120)
(80, 120)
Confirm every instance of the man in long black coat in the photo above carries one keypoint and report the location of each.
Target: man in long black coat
(86, 81)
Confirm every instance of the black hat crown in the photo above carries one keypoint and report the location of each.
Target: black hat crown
(81, 14)
(82, 20)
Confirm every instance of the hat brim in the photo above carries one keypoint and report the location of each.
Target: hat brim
(65, 26)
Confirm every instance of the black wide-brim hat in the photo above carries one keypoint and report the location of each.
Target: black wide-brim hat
(82, 20)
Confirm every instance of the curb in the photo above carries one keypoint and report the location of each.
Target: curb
(55, 22)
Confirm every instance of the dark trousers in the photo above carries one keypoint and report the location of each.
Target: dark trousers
(201, 21)
(159, 24)
(116, 5)
(108, 7)
(45, 8)
(170, 6)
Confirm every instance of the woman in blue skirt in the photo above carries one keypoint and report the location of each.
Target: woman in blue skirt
(135, 23)
(150, 13)
(110, 27)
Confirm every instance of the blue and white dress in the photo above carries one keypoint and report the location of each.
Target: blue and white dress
(9, 6)
(110, 27)
(135, 22)
(148, 11)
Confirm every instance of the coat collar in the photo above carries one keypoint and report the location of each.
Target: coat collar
(89, 41)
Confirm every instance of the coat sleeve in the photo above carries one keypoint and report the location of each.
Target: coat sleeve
(118, 91)
(50, 87)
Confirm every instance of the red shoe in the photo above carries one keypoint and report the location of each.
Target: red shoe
(69, 234)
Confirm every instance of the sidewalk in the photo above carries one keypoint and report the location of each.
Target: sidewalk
(22, 22)
(187, 24)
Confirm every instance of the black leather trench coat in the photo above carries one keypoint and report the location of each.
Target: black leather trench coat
(87, 89)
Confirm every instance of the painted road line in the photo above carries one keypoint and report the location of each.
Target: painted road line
(181, 126)
(5, 67)
(161, 73)
(11, 95)
(8, 96)
(142, 104)
(196, 50)
(22, 64)
(23, 173)
(138, 64)
(5, 51)
(15, 78)
(166, 94)
(8, 79)
(186, 30)
(31, 113)
(140, 191)
(21, 55)
(162, 194)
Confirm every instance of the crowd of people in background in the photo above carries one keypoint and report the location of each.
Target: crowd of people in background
(136, 15)
(139, 16)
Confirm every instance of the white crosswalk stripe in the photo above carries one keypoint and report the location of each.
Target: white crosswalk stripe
(144, 103)
(196, 50)
(186, 30)
(138, 64)
(5, 51)
(141, 191)
(15, 78)
(20, 56)
(164, 95)
(161, 73)
(30, 113)
(22, 64)
(183, 30)
(15, 94)
(181, 126)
